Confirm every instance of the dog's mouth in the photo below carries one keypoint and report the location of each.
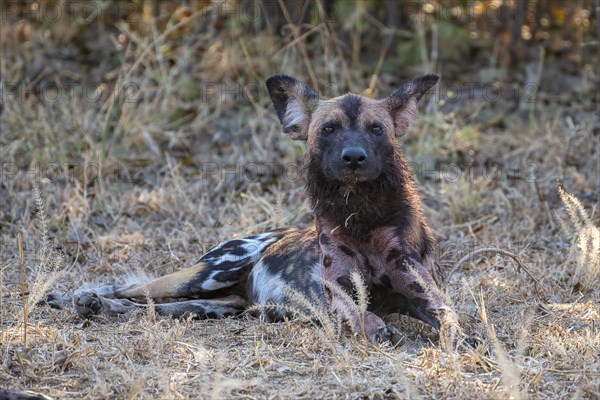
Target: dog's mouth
(349, 177)
(354, 177)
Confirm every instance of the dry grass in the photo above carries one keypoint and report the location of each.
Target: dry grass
(132, 188)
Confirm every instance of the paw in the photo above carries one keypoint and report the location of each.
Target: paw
(87, 304)
(389, 334)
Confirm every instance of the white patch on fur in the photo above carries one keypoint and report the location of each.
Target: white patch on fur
(253, 250)
(317, 297)
(405, 116)
(213, 284)
(103, 290)
(255, 247)
(214, 261)
(266, 287)
(137, 277)
(315, 271)
(295, 114)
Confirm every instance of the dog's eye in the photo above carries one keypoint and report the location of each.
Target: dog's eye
(328, 129)
(376, 129)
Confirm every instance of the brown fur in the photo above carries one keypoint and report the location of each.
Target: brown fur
(367, 209)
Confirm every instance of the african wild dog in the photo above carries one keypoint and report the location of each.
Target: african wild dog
(368, 219)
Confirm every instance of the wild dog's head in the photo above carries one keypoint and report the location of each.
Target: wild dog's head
(350, 137)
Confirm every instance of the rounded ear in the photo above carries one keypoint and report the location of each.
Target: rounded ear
(402, 104)
(294, 103)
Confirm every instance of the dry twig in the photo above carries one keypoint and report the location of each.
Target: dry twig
(473, 253)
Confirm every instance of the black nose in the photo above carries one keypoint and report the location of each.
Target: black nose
(354, 157)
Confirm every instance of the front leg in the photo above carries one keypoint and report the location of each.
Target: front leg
(408, 274)
(338, 260)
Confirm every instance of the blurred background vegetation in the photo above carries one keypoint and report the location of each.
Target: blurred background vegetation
(127, 86)
(541, 51)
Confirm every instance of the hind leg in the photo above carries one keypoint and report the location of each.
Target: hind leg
(89, 304)
(170, 293)
(221, 271)
(224, 266)
(179, 284)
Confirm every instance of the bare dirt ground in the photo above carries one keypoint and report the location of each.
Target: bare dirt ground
(128, 149)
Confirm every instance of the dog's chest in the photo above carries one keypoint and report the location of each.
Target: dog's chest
(373, 266)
